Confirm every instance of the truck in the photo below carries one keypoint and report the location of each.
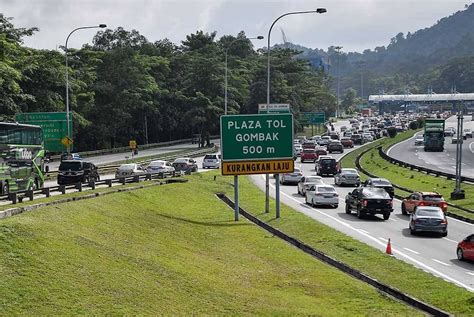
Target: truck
(434, 135)
(367, 112)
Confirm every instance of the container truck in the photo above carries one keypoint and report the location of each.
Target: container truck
(434, 135)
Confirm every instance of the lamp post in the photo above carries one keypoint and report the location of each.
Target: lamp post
(226, 51)
(267, 177)
(338, 48)
(67, 78)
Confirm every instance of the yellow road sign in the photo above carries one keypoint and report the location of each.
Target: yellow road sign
(258, 167)
(66, 141)
(132, 144)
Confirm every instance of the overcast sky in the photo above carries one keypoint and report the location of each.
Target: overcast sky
(354, 24)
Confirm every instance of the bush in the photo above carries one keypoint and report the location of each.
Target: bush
(421, 122)
(392, 132)
(413, 125)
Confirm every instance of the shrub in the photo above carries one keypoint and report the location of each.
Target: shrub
(392, 132)
(413, 125)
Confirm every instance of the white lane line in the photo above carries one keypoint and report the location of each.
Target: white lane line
(368, 236)
(470, 273)
(447, 239)
(448, 154)
(383, 239)
(470, 147)
(391, 219)
(437, 261)
(363, 231)
(453, 167)
(412, 251)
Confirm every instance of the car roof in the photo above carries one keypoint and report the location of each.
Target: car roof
(429, 208)
(429, 193)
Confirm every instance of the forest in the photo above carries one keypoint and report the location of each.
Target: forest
(123, 86)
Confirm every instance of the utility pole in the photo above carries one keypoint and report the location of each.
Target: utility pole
(338, 49)
(458, 193)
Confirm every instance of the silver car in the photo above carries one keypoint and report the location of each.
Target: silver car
(291, 178)
(322, 195)
(211, 161)
(347, 176)
(132, 169)
(307, 181)
(428, 219)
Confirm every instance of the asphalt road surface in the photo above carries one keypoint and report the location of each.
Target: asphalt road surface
(442, 161)
(431, 253)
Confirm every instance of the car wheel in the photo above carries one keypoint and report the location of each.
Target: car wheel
(460, 254)
(336, 206)
(412, 232)
(445, 234)
(312, 203)
(359, 213)
(348, 209)
(299, 192)
(97, 178)
(386, 216)
(404, 210)
(306, 200)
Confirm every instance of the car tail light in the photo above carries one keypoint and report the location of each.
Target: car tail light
(364, 202)
(444, 221)
(390, 202)
(443, 205)
(422, 203)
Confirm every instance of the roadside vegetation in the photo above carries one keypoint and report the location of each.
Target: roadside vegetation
(404, 177)
(152, 252)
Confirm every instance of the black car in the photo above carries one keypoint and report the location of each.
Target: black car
(335, 146)
(71, 172)
(357, 139)
(369, 201)
(326, 166)
(380, 183)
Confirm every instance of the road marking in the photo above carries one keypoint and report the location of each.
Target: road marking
(470, 273)
(450, 240)
(391, 219)
(395, 251)
(470, 147)
(445, 264)
(448, 154)
(453, 167)
(412, 251)
(383, 239)
(363, 231)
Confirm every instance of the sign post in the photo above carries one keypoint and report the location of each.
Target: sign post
(257, 144)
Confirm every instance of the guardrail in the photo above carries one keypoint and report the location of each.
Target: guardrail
(18, 196)
(125, 149)
(321, 256)
(360, 168)
(428, 171)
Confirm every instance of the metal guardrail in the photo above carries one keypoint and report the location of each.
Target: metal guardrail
(384, 288)
(428, 171)
(452, 215)
(18, 196)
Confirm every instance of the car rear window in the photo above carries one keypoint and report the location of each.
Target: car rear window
(313, 179)
(326, 189)
(328, 162)
(381, 183)
(70, 166)
(309, 151)
(210, 157)
(435, 198)
(430, 213)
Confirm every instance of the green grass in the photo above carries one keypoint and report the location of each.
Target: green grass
(384, 268)
(404, 177)
(168, 250)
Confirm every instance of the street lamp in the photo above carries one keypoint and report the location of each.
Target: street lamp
(226, 51)
(338, 48)
(67, 77)
(267, 177)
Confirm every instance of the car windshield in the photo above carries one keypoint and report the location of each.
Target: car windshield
(381, 182)
(127, 167)
(70, 166)
(313, 179)
(434, 198)
(325, 189)
(181, 160)
(429, 213)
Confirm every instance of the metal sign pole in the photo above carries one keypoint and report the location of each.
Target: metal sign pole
(236, 198)
(277, 195)
(267, 193)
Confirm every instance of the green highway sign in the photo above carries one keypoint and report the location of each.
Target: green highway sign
(312, 117)
(257, 137)
(54, 125)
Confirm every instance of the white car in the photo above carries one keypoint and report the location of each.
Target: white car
(347, 176)
(308, 181)
(211, 161)
(298, 149)
(367, 137)
(322, 195)
(419, 140)
(160, 166)
(132, 169)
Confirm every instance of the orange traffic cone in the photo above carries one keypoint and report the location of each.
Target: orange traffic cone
(389, 247)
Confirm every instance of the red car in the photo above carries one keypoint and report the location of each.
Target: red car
(321, 151)
(423, 199)
(465, 250)
(308, 155)
(347, 142)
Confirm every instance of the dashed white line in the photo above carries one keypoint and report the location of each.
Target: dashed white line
(470, 273)
(453, 167)
(366, 232)
(412, 251)
(438, 261)
(422, 265)
(383, 239)
(450, 240)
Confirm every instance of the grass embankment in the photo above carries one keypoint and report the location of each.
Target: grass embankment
(172, 250)
(404, 177)
(371, 261)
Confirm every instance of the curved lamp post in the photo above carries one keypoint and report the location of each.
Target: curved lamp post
(226, 51)
(267, 178)
(67, 76)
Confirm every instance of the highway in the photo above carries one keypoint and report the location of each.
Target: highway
(432, 254)
(443, 161)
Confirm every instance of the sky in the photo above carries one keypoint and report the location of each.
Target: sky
(355, 25)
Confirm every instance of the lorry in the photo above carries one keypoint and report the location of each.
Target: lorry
(434, 135)
(367, 112)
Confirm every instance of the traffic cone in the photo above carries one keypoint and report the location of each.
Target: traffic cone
(389, 247)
